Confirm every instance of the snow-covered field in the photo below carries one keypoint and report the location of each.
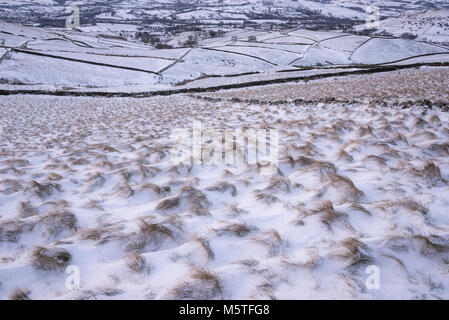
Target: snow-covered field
(426, 25)
(362, 181)
(82, 60)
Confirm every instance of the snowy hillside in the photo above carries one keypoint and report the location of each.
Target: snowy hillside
(362, 181)
(71, 60)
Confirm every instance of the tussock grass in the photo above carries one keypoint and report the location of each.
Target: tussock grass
(223, 187)
(26, 209)
(194, 196)
(235, 229)
(10, 186)
(20, 294)
(54, 223)
(205, 245)
(439, 149)
(346, 187)
(279, 185)
(154, 234)
(328, 216)
(50, 259)
(354, 251)
(95, 182)
(104, 233)
(202, 285)
(137, 263)
(54, 177)
(272, 240)
(11, 231)
(266, 198)
(432, 245)
(169, 203)
(43, 190)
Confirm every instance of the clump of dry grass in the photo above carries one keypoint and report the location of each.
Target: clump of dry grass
(272, 240)
(99, 293)
(27, 210)
(360, 208)
(365, 131)
(137, 263)
(188, 195)
(420, 123)
(169, 203)
(20, 294)
(323, 168)
(413, 205)
(202, 285)
(205, 245)
(17, 162)
(11, 231)
(199, 211)
(250, 263)
(160, 191)
(54, 177)
(376, 159)
(234, 210)
(441, 150)
(10, 186)
(43, 190)
(430, 245)
(279, 185)
(91, 204)
(95, 182)
(222, 187)
(194, 196)
(50, 259)
(103, 233)
(327, 213)
(53, 224)
(154, 234)
(432, 173)
(354, 251)
(268, 199)
(123, 190)
(344, 156)
(301, 161)
(346, 187)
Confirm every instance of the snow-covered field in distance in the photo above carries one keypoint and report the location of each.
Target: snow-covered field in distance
(88, 181)
(63, 59)
(427, 25)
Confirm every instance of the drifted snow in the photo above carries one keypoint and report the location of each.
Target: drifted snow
(360, 183)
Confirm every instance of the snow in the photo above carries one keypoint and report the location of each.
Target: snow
(234, 53)
(380, 50)
(323, 56)
(275, 56)
(31, 69)
(200, 62)
(360, 183)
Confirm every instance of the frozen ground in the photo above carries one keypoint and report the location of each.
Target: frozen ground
(84, 60)
(362, 181)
